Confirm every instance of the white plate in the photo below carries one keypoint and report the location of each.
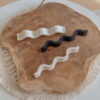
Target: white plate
(11, 10)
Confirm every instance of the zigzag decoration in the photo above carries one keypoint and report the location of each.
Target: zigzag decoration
(55, 61)
(41, 31)
(63, 38)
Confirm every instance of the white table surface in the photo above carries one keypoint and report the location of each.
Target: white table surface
(92, 93)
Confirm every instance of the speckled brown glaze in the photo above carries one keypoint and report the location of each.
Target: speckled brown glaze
(27, 55)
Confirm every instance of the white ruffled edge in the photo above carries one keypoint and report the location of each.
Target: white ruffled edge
(9, 82)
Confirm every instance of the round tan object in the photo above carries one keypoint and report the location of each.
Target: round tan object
(27, 56)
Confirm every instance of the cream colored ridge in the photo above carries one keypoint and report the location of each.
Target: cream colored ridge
(41, 31)
(55, 61)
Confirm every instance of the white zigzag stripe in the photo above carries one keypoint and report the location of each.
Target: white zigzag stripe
(55, 61)
(41, 31)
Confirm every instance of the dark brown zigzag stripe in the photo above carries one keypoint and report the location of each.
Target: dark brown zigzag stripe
(64, 38)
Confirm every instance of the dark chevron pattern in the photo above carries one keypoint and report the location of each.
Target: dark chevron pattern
(64, 38)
